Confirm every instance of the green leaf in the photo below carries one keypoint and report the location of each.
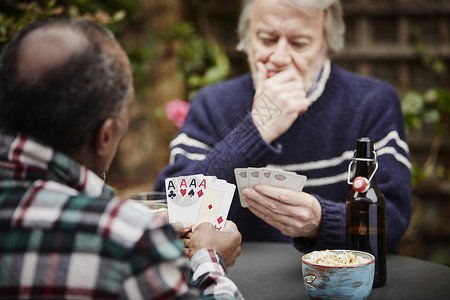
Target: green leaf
(119, 15)
(51, 3)
(412, 103)
(431, 95)
(159, 112)
(431, 116)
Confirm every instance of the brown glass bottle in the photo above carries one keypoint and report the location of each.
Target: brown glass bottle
(366, 210)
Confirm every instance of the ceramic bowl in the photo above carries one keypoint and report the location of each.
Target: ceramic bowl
(339, 282)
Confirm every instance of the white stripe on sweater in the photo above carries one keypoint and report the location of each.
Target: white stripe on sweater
(314, 165)
(347, 155)
(393, 135)
(191, 156)
(392, 151)
(184, 139)
(326, 180)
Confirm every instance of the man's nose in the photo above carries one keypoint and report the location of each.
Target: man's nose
(280, 55)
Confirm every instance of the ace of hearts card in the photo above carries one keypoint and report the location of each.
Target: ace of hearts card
(198, 198)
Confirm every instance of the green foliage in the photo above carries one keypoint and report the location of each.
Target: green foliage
(431, 108)
(114, 14)
(428, 107)
(425, 108)
(434, 63)
(199, 61)
(15, 15)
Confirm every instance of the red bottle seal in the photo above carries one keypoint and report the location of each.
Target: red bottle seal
(361, 184)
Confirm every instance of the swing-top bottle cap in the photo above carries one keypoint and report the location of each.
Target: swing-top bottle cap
(361, 184)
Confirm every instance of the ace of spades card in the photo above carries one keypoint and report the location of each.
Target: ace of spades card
(191, 188)
(216, 203)
(191, 191)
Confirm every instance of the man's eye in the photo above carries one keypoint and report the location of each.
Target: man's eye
(299, 44)
(267, 41)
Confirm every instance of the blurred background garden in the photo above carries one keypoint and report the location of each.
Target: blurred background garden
(178, 46)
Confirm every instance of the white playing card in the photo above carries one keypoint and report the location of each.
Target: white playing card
(188, 204)
(253, 175)
(265, 176)
(216, 204)
(187, 186)
(241, 181)
(289, 180)
(173, 198)
(210, 206)
(185, 195)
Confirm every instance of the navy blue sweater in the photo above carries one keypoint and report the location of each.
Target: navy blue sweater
(219, 135)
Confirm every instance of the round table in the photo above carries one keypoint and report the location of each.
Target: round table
(273, 271)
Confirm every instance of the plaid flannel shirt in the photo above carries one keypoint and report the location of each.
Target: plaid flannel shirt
(64, 236)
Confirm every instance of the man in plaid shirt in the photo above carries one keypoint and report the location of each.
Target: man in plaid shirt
(65, 92)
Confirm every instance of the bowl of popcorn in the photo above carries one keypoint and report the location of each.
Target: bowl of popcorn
(338, 274)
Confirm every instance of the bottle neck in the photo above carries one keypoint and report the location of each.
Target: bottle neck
(363, 166)
(366, 169)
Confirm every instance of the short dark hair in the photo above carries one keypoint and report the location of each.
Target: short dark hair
(68, 103)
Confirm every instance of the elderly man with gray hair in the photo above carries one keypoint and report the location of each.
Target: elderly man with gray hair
(296, 111)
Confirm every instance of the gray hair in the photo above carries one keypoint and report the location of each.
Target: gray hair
(334, 22)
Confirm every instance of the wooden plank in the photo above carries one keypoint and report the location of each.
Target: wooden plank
(395, 9)
(391, 52)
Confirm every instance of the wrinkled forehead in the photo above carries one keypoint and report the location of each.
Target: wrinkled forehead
(48, 47)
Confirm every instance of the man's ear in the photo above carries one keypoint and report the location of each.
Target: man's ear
(104, 141)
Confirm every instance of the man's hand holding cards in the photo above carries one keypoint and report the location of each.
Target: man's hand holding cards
(198, 198)
(250, 177)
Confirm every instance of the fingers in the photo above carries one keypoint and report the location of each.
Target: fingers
(182, 228)
(203, 227)
(278, 101)
(261, 76)
(227, 242)
(229, 226)
(164, 214)
(230, 264)
(293, 213)
(281, 194)
(272, 199)
(277, 221)
(285, 76)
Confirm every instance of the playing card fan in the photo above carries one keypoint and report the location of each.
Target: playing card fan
(250, 177)
(198, 198)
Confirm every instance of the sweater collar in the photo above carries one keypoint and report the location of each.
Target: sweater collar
(321, 81)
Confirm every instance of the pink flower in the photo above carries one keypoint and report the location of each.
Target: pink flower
(176, 111)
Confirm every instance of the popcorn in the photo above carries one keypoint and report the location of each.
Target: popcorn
(343, 259)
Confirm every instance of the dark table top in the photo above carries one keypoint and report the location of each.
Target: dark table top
(273, 271)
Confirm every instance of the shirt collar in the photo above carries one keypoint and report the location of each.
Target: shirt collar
(25, 158)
